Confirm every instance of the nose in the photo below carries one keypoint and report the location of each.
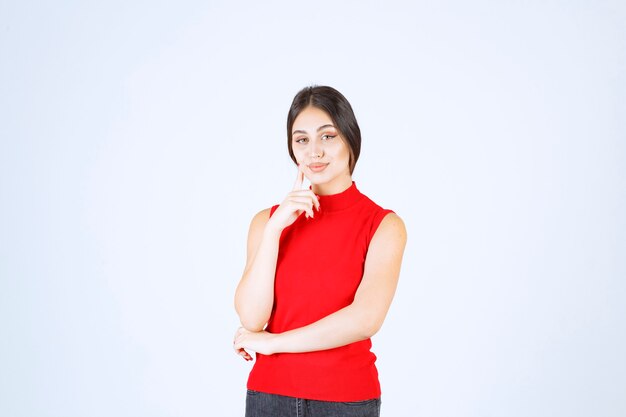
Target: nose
(317, 151)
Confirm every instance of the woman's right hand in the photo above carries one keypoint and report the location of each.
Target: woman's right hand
(298, 201)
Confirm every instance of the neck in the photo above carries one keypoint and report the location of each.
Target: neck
(336, 186)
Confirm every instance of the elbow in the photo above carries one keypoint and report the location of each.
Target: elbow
(370, 328)
(250, 321)
(252, 325)
(369, 323)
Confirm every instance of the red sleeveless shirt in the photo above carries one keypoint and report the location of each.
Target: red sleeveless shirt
(319, 268)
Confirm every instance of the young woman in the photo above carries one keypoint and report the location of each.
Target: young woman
(321, 271)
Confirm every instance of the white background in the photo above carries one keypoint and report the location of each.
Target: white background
(139, 138)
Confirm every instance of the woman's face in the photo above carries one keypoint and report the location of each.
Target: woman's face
(321, 151)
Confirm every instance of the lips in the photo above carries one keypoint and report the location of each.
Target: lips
(317, 167)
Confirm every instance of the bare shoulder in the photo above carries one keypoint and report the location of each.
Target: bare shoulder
(256, 231)
(261, 217)
(391, 227)
(259, 220)
(384, 254)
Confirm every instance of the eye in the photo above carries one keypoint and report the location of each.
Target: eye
(328, 137)
(302, 140)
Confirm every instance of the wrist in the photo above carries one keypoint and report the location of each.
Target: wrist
(274, 343)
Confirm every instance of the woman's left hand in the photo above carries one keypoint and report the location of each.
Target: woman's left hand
(260, 342)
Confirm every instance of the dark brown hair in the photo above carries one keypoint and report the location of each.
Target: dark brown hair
(338, 108)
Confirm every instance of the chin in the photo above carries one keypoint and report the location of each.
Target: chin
(318, 179)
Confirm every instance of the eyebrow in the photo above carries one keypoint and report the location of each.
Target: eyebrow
(318, 129)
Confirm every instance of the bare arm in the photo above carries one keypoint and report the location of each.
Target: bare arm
(358, 321)
(254, 296)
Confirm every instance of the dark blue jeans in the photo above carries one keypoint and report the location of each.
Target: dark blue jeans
(260, 404)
